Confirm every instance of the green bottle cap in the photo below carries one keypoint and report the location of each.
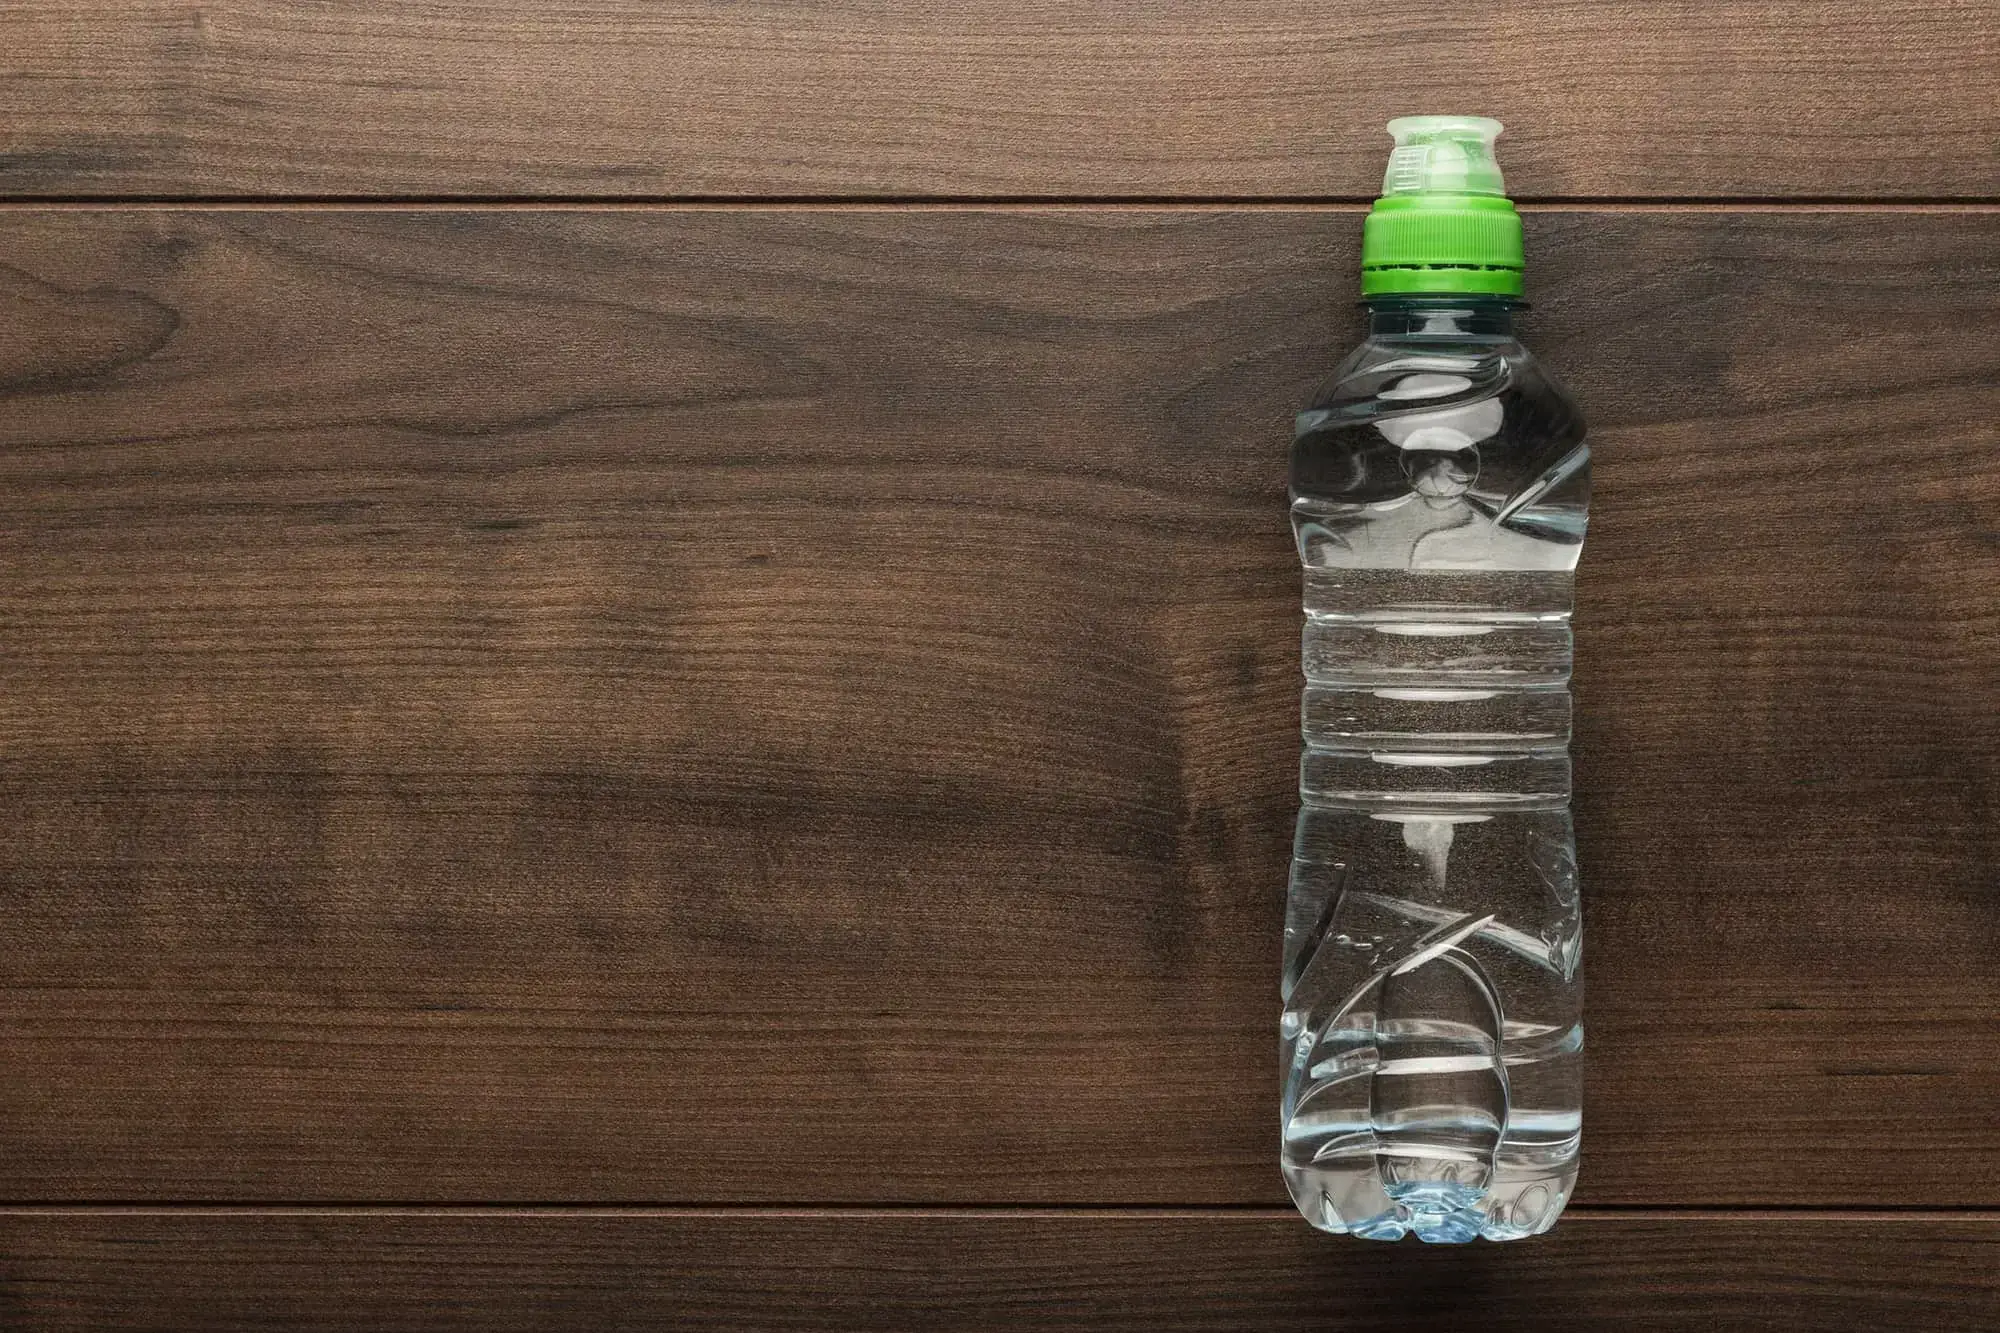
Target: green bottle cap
(1444, 224)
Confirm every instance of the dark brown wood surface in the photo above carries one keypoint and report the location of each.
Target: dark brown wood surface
(1698, 98)
(484, 1270)
(648, 656)
(798, 705)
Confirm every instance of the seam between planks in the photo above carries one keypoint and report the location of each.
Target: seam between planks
(982, 1212)
(278, 203)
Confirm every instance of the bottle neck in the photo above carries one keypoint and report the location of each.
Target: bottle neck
(1442, 316)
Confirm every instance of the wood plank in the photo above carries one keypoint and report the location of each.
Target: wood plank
(879, 1270)
(1285, 98)
(800, 705)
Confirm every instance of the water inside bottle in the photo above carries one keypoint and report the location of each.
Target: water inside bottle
(1431, 1033)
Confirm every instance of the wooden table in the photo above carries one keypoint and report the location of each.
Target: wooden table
(648, 656)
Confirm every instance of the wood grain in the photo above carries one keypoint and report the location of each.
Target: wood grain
(875, 1270)
(1694, 98)
(789, 706)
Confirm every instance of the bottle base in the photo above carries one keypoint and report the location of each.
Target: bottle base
(1356, 1203)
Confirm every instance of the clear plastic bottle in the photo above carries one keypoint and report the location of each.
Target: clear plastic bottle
(1432, 1029)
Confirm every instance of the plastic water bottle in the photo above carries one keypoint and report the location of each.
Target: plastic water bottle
(1432, 1029)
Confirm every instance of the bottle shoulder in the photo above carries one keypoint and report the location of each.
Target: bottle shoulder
(1389, 374)
(1441, 453)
